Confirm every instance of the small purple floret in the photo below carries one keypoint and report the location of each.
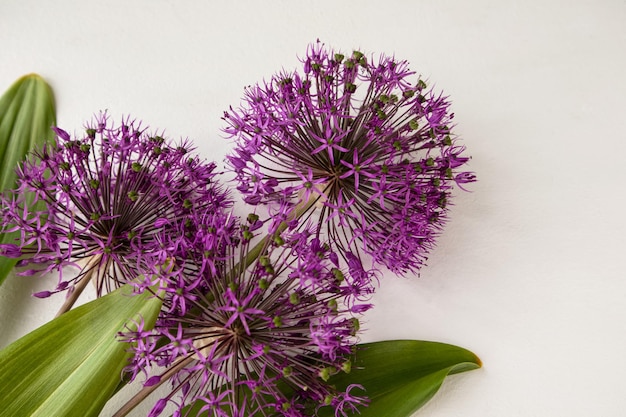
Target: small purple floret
(42, 294)
(10, 250)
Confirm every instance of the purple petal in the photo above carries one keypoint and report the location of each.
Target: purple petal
(152, 381)
(42, 294)
(158, 408)
(160, 222)
(10, 251)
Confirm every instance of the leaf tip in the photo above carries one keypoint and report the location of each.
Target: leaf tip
(31, 76)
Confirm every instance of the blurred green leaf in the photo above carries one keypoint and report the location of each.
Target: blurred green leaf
(72, 365)
(399, 376)
(27, 112)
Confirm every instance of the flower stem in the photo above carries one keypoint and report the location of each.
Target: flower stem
(145, 391)
(71, 298)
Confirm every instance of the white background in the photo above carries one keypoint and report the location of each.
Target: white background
(529, 274)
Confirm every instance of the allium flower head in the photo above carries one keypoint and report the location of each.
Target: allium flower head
(288, 321)
(100, 198)
(361, 136)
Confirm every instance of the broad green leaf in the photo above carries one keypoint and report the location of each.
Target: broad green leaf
(72, 365)
(399, 376)
(27, 112)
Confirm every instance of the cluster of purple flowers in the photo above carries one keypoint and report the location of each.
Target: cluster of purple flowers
(351, 157)
(95, 202)
(249, 334)
(358, 137)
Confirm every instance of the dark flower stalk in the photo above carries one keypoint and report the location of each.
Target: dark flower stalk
(371, 146)
(103, 196)
(249, 333)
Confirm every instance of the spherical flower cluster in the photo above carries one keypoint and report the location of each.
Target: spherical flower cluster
(360, 139)
(263, 338)
(98, 199)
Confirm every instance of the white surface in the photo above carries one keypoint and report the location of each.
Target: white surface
(529, 274)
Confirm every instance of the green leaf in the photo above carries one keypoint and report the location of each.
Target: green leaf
(72, 365)
(399, 376)
(27, 112)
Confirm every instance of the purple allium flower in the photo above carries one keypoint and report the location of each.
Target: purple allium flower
(264, 338)
(193, 249)
(103, 196)
(370, 144)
